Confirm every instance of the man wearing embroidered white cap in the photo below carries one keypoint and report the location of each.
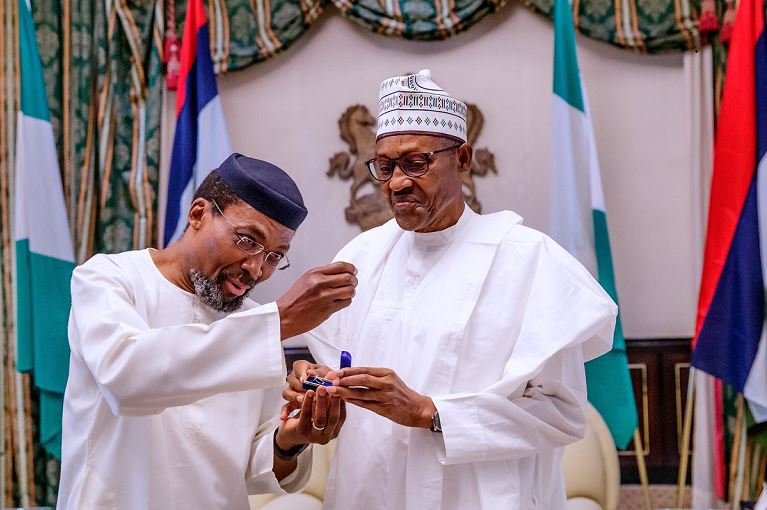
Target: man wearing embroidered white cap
(469, 334)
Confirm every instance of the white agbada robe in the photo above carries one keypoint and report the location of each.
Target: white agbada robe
(169, 404)
(492, 320)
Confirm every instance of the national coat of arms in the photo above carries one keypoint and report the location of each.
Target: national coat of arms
(368, 207)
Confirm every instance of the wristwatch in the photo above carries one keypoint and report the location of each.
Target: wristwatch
(436, 426)
(287, 454)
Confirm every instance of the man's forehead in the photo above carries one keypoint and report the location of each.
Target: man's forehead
(409, 142)
(243, 212)
(246, 217)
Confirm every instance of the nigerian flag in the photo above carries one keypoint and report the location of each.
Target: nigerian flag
(44, 254)
(579, 223)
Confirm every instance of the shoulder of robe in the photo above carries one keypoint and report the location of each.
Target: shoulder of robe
(117, 264)
(530, 238)
(529, 242)
(550, 257)
(97, 261)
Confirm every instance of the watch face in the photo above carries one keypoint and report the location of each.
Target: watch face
(436, 426)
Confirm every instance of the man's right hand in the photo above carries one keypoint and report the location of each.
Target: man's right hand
(316, 295)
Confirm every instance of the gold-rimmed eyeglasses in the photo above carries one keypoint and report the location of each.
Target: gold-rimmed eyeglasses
(253, 247)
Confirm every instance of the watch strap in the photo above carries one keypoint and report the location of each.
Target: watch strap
(287, 454)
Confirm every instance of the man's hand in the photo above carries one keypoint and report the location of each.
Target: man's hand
(319, 421)
(294, 392)
(384, 393)
(316, 295)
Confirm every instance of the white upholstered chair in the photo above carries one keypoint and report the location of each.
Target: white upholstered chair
(311, 497)
(591, 468)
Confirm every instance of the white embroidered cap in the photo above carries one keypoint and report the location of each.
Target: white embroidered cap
(415, 104)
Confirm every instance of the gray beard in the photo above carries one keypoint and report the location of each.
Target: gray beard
(210, 293)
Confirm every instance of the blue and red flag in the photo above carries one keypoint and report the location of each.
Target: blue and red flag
(201, 141)
(730, 341)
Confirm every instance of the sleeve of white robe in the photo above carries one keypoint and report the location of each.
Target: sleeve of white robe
(141, 371)
(538, 404)
(547, 413)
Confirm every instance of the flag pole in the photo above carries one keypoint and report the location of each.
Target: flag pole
(642, 468)
(6, 123)
(749, 469)
(20, 438)
(29, 439)
(761, 474)
(684, 450)
(737, 457)
(21, 459)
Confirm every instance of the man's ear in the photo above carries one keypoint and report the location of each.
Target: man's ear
(197, 211)
(465, 155)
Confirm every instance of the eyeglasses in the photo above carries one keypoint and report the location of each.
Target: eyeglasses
(413, 164)
(252, 247)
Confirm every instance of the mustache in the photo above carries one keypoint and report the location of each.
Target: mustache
(243, 279)
(405, 195)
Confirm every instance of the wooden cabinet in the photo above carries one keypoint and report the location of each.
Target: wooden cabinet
(659, 372)
(293, 354)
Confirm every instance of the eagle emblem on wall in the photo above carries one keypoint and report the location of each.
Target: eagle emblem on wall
(368, 207)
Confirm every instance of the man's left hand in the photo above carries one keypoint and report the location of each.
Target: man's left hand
(320, 420)
(382, 391)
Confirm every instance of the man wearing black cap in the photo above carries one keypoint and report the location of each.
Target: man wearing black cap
(175, 375)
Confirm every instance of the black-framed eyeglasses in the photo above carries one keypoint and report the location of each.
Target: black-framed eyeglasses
(253, 247)
(413, 164)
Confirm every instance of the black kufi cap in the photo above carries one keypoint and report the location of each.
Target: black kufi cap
(266, 187)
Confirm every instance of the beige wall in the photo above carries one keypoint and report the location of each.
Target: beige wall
(286, 111)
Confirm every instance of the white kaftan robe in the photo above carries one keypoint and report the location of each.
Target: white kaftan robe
(493, 321)
(169, 404)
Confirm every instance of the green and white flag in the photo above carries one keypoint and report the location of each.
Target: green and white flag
(578, 220)
(44, 253)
